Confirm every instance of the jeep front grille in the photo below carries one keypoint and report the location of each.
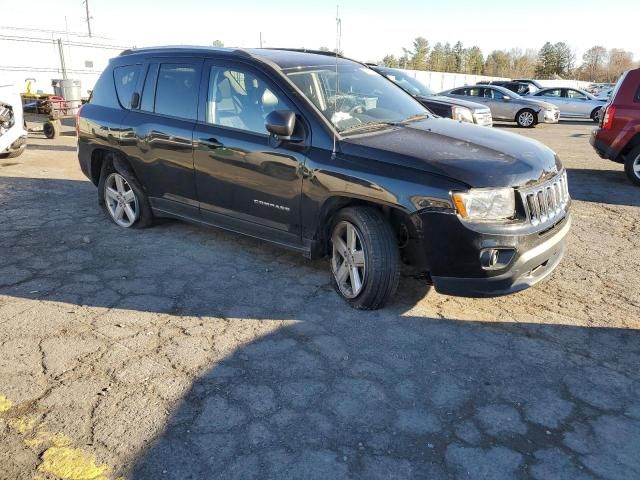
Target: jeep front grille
(547, 200)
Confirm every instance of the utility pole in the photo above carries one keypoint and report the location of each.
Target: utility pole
(86, 4)
(63, 66)
(260, 39)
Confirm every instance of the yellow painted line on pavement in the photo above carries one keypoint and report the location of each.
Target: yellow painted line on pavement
(60, 459)
(72, 464)
(5, 404)
(23, 424)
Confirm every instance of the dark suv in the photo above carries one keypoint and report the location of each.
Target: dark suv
(618, 137)
(325, 156)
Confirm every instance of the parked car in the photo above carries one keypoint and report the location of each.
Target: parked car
(534, 85)
(456, 109)
(618, 135)
(508, 105)
(518, 87)
(327, 157)
(572, 102)
(604, 93)
(13, 131)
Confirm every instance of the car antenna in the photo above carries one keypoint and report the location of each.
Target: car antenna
(335, 96)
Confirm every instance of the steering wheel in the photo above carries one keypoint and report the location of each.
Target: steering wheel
(356, 109)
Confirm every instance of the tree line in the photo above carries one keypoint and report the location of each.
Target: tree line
(553, 60)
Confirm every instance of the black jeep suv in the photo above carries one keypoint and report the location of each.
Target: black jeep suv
(325, 156)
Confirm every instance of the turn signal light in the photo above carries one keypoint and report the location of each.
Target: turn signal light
(78, 120)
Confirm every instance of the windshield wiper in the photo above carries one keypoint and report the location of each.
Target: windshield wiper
(369, 126)
(418, 116)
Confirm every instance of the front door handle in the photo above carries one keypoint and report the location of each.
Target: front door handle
(210, 143)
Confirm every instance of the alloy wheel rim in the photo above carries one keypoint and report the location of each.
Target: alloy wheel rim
(636, 166)
(348, 263)
(526, 118)
(121, 200)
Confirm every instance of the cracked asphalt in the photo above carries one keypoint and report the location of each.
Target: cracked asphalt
(184, 352)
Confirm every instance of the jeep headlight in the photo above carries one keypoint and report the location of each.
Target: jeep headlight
(483, 204)
(462, 114)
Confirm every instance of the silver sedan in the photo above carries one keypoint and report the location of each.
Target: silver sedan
(572, 102)
(507, 105)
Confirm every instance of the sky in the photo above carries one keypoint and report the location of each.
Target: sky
(370, 28)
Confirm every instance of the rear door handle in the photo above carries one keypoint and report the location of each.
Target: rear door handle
(210, 143)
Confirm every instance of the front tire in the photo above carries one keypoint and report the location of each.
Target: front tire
(365, 260)
(596, 114)
(13, 153)
(632, 165)
(122, 197)
(526, 118)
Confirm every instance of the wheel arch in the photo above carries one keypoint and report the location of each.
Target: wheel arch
(631, 144)
(98, 157)
(399, 218)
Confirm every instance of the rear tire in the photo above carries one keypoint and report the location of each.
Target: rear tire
(365, 259)
(526, 118)
(632, 165)
(595, 115)
(116, 173)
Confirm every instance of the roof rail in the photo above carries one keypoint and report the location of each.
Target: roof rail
(310, 50)
(161, 48)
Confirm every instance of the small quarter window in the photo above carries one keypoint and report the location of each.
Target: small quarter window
(126, 78)
(149, 90)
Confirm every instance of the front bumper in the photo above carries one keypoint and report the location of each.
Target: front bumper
(530, 267)
(453, 256)
(549, 116)
(483, 118)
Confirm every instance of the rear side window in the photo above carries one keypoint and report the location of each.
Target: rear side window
(126, 79)
(177, 91)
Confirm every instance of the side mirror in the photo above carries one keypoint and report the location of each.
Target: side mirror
(281, 123)
(135, 100)
(506, 98)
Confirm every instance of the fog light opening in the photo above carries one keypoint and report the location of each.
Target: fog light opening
(495, 258)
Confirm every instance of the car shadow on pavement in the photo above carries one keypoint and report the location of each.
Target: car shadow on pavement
(289, 381)
(602, 186)
(348, 394)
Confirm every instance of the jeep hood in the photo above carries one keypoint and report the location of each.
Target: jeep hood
(477, 156)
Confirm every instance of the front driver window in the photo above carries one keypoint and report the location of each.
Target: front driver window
(495, 94)
(239, 99)
(575, 94)
(551, 93)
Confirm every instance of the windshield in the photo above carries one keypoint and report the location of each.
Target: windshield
(407, 82)
(505, 93)
(362, 97)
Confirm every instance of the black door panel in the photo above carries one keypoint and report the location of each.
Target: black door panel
(159, 136)
(238, 172)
